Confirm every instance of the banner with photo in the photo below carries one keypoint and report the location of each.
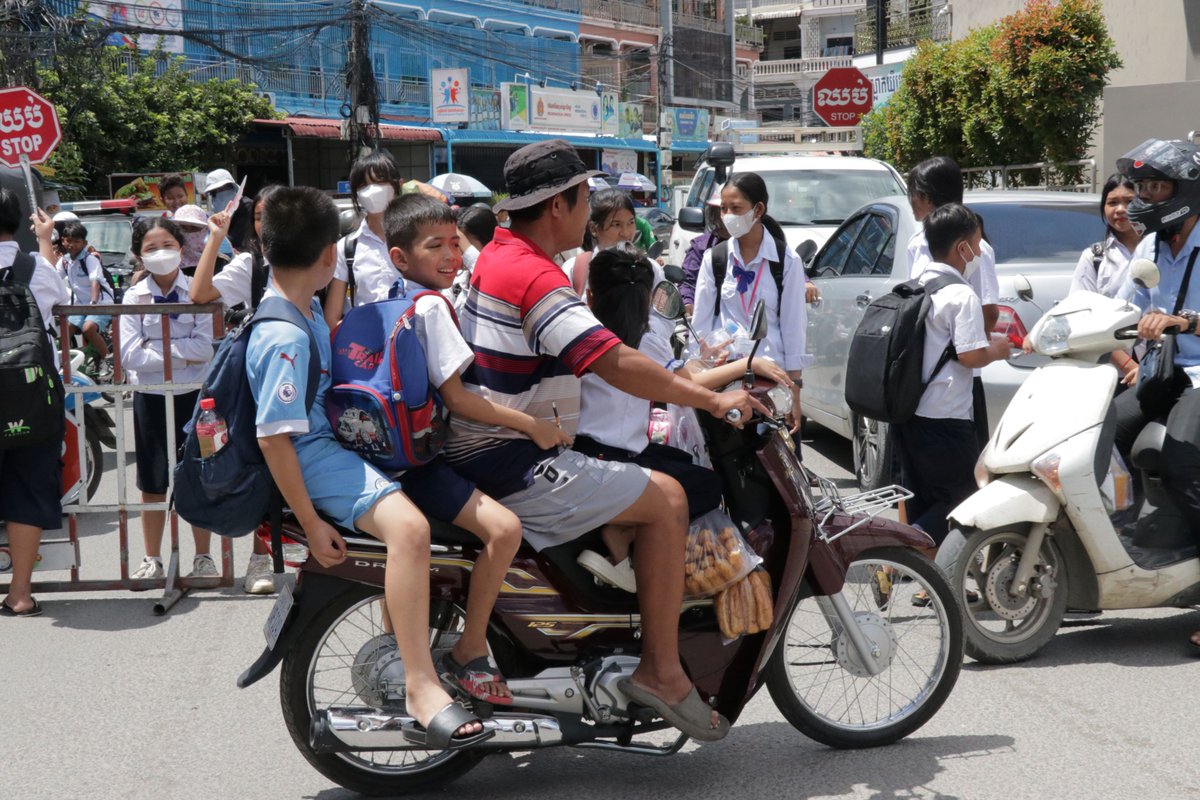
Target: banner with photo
(633, 120)
(690, 124)
(514, 106)
(156, 15)
(485, 109)
(614, 162)
(449, 95)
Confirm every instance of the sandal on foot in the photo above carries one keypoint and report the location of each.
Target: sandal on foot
(921, 599)
(691, 715)
(439, 735)
(472, 677)
(8, 611)
(618, 575)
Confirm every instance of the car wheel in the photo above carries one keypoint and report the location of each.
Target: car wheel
(872, 453)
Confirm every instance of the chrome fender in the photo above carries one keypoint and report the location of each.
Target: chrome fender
(1007, 500)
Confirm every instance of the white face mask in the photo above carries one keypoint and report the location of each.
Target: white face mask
(738, 226)
(162, 262)
(374, 199)
(972, 263)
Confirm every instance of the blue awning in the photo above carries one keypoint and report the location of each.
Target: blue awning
(455, 136)
(688, 147)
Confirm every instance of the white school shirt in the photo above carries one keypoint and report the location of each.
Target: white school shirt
(141, 337)
(787, 322)
(1109, 276)
(234, 281)
(374, 272)
(46, 284)
(446, 351)
(983, 281)
(79, 274)
(955, 317)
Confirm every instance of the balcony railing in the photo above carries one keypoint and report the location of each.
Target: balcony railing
(645, 14)
(566, 6)
(699, 23)
(748, 34)
(790, 69)
(793, 8)
(925, 19)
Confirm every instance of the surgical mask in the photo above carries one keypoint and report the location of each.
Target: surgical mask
(739, 225)
(972, 263)
(220, 198)
(374, 199)
(162, 262)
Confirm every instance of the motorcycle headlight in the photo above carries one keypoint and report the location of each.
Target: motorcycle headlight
(1052, 336)
(779, 400)
(982, 476)
(1045, 467)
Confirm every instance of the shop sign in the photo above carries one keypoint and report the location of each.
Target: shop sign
(614, 162)
(633, 120)
(689, 124)
(449, 96)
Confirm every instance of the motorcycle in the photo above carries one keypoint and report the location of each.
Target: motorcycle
(99, 431)
(1056, 523)
(848, 659)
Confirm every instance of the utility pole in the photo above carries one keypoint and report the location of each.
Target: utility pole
(880, 29)
(21, 20)
(362, 122)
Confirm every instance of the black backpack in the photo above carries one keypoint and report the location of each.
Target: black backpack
(259, 275)
(720, 262)
(883, 372)
(31, 391)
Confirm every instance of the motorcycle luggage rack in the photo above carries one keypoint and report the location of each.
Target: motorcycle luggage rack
(869, 504)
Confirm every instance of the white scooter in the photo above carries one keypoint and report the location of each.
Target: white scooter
(1055, 523)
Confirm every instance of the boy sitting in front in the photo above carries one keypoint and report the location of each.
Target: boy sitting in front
(423, 243)
(313, 471)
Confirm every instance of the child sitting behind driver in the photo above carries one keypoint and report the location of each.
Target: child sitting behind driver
(613, 425)
(423, 244)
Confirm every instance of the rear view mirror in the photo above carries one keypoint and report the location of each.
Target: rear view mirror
(691, 219)
(674, 274)
(1023, 288)
(806, 250)
(721, 156)
(1144, 273)
(655, 250)
(666, 301)
(758, 322)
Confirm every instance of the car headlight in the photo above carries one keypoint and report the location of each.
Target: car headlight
(1052, 336)
(779, 400)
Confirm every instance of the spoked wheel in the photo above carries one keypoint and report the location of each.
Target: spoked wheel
(1005, 623)
(94, 469)
(821, 684)
(872, 452)
(346, 658)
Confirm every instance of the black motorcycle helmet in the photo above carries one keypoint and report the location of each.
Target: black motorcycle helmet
(1164, 159)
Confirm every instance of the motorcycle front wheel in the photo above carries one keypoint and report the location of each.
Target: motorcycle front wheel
(343, 659)
(816, 677)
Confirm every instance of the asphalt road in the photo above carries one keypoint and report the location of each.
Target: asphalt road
(99, 698)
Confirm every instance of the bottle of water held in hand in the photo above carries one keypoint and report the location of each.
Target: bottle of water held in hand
(210, 428)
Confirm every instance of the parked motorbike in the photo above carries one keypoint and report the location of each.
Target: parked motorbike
(99, 430)
(848, 659)
(1056, 523)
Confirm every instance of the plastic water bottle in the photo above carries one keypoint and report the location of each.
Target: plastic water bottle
(210, 428)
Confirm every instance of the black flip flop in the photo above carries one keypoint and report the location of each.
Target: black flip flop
(8, 611)
(471, 676)
(439, 735)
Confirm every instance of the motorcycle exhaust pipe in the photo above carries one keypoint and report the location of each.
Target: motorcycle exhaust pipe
(343, 730)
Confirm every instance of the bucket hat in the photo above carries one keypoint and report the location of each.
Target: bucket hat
(539, 171)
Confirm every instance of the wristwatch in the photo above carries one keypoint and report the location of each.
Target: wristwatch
(1192, 318)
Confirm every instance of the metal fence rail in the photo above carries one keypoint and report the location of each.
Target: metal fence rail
(1066, 176)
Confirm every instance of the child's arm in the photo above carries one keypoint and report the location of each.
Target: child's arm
(335, 302)
(324, 542)
(719, 377)
(137, 351)
(999, 349)
(201, 288)
(196, 346)
(461, 401)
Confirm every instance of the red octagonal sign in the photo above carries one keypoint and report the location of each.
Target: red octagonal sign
(28, 126)
(842, 96)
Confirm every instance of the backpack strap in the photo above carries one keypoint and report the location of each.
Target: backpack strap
(258, 279)
(720, 263)
(349, 248)
(1097, 256)
(931, 288)
(21, 270)
(439, 296)
(277, 308)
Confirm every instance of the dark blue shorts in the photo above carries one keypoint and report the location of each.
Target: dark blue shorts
(436, 489)
(31, 485)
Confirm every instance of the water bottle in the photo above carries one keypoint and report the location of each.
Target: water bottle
(210, 428)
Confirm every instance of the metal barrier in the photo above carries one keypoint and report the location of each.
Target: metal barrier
(62, 554)
(1049, 175)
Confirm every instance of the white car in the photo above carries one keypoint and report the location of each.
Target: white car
(808, 195)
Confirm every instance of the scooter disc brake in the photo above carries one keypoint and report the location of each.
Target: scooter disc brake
(999, 581)
(879, 633)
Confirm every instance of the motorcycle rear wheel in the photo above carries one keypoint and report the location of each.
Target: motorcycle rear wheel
(319, 672)
(817, 686)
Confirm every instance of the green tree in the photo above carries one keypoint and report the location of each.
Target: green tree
(1026, 89)
(126, 111)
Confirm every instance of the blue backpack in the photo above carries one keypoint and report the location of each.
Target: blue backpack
(381, 404)
(230, 492)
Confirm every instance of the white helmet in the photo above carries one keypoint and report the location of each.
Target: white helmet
(65, 216)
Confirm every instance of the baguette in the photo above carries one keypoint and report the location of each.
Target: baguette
(723, 615)
(761, 583)
(750, 601)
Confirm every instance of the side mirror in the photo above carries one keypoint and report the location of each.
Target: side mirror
(674, 274)
(721, 156)
(806, 250)
(1023, 288)
(655, 250)
(1144, 273)
(758, 322)
(691, 219)
(666, 301)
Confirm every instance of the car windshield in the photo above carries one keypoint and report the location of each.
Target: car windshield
(825, 196)
(1050, 232)
(109, 236)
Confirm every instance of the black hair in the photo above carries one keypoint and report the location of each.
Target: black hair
(1115, 181)
(73, 229)
(945, 225)
(378, 165)
(10, 212)
(407, 214)
(602, 205)
(253, 242)
(298, 225)
(479, 221)
(620, 279)
(146, 224)
(937, 179)
(171, 182)
(535, 212)
(754, 188)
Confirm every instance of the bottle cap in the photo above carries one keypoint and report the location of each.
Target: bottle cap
(208, 404)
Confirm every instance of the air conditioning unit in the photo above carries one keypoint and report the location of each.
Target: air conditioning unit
(268, 96)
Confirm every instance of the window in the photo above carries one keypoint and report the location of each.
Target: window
(701, 189)
(786, 34)
(830, 262)
(839, 46)
(795, 51)
(825, 196)
(874, 249)
(1047, 233)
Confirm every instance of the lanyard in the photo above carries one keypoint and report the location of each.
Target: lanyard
(753, 290)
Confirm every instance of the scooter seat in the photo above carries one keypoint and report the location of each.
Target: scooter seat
(1147, 448)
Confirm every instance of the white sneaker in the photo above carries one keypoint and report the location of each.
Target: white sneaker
(260, 576)
(619, 575)
(148, 570)
(204, 567)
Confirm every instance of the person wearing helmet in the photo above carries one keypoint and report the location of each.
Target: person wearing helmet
(1166, 178)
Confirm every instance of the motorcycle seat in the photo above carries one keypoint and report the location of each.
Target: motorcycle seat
(1147, 448)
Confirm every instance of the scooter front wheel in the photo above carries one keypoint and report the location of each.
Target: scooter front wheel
(818, 680)
(1005, 624)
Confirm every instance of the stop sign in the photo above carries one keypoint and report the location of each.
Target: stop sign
(842, 96)
(28, 126)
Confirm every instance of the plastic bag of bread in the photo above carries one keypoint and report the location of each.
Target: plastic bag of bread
(716, 557)
(746, 607)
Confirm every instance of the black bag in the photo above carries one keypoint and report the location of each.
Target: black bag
(31, 391)
(1157, 376)
(883, 372)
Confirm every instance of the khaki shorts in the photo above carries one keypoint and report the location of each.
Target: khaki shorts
(572, 494)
